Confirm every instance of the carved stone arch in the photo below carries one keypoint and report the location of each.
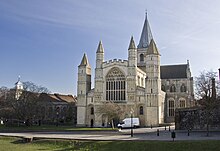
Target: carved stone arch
(115, 72)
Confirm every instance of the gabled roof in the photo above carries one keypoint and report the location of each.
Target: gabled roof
(173, 71)
(152, 49)
(146, 35)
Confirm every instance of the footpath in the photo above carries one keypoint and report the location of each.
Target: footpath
(140, 134)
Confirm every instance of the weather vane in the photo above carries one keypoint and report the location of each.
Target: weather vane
(146, 13)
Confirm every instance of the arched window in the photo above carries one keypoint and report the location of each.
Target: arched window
(115, 85)
(183, 88)
(92, 111)
(141, 57)
(171, 107)
(172, 88)
(141, 110)
(163, 88)
(182, 103)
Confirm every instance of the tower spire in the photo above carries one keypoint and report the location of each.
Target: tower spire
(146, 34)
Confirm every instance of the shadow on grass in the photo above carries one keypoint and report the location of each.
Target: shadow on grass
(18, 141)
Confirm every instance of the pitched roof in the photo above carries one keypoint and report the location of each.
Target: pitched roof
(173, 71)
(152, 49)
(57, 98)
(132, 44)
(146, 35)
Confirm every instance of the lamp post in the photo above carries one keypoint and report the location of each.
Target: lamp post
(57, 118)
(131, 124)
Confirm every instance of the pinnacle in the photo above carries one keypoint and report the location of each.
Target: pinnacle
(84, 60)
(152, 49)
(100, 48)
(132, 44)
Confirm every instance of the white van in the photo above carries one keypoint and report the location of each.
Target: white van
(128, 121)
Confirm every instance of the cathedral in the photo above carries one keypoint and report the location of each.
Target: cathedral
(140, 85)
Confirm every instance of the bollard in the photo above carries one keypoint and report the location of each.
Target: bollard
(165, 128)
(158, 132)
(173, 135)
(169, 128)
(188, 132)
(151, 126)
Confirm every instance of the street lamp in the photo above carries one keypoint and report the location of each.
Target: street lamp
(57, 118)
(132, 123)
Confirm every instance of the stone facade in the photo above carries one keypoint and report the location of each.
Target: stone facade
(136, 84)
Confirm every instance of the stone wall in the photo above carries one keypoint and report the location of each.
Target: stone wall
(195, 118)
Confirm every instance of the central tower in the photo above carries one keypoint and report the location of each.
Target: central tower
(149, 61)
(146, 37)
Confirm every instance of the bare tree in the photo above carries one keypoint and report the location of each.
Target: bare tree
(112, 110)
(207, 90)
(31, 87)
(26, 107)
(5, 109)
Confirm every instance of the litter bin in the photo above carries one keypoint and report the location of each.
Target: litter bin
(173, 135)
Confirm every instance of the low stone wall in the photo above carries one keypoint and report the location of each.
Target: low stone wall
(195, 118)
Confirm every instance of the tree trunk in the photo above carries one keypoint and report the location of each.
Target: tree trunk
(113, 124)
(207, 130)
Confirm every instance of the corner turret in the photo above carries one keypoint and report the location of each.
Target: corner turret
(132, 54)
(83, 87)
(99, 55)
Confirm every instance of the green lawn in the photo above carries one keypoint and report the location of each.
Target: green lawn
(16, 144)
(51, 128)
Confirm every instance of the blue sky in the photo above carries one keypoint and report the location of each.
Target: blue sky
(44, 40)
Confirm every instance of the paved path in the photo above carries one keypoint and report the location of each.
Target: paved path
(139, 134)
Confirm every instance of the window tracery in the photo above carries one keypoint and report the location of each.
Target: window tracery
(115, 85)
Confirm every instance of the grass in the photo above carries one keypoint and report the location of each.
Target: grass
(16, 144)
(51, 128)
